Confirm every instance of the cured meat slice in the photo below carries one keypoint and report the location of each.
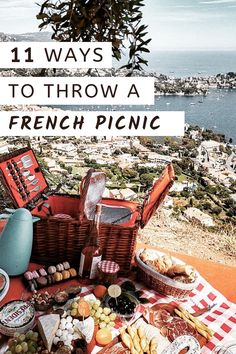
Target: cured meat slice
(179, 327)
(116, 349)
(160, 318)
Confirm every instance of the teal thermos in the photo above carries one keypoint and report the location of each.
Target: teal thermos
(16, 242)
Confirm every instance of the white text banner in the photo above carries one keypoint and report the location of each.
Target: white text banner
(77, 90)
(55, 55)
(84, 123)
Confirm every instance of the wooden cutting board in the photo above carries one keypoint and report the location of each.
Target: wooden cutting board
(170, 308)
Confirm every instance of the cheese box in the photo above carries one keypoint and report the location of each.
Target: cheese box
(4, 283)
(16, 316)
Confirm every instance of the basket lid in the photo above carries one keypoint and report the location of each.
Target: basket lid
(157, 194)
(22, 177)
(91, 190)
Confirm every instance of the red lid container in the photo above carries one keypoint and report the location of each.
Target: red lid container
(107, 272)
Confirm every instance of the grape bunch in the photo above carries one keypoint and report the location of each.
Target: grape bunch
(102, 316)
(23, 343)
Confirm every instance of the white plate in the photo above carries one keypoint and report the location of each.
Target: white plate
(4, 291)
(227, 348)
(181, 343)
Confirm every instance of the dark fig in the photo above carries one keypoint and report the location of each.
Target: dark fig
(128, 286)
(143, 300)
(138, 294)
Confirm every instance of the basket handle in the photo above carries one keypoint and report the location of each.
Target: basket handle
(84, 185)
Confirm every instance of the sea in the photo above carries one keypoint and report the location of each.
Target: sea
(216, 111)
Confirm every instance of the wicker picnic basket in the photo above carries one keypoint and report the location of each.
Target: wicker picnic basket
(65, 219)
(161, 283)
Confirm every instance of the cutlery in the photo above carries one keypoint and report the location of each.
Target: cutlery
(27, 164)
(35, 189)
(30, 178)
(22, 160)
(203, 310)
(26, 157)
(33, 183)
(26, 173)
(13, 166)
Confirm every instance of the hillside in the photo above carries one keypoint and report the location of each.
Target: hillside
(183, 237)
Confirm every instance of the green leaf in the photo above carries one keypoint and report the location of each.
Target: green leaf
(144, 50)
(41, 16)
(146, 42)
(140, 29)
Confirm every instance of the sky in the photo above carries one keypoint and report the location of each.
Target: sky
(173, 24)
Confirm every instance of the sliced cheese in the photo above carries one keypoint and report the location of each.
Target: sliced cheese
(48, 325)
(86, 327)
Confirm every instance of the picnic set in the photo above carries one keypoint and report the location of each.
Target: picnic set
(81, 283)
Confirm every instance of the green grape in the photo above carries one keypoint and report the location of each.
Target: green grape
(95, 306)
(24, 346)
(32, 335)
(18, 348)
(98, 302)
(35, 336)
(107, 319)
(100, 309)
(97, 314)
(22, 337)
(102, 317)
(74, 305)
(28, 335)
(11, 342)
(32, 343)
(107, 311)
(16, 335)
(73, 312)
(112, 316)
(12, 348)
(102, 324)
(32, 349)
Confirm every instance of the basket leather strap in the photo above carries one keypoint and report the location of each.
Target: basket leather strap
(84, 185)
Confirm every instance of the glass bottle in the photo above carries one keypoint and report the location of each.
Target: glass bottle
(91, 254)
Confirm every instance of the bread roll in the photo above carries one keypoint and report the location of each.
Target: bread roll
(126, 339)
(167, 260)
(132, 331)
(136, 343)
(141, 333)
(180, 269)
(153, 346)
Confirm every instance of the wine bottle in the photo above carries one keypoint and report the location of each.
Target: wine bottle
(91, 254)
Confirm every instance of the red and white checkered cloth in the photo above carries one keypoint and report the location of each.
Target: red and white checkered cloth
(221, 318)
(62, 216)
